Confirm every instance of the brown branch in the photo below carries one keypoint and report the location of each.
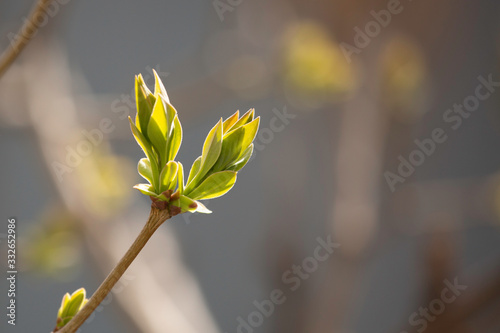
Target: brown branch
(10, 55)
(156, 218)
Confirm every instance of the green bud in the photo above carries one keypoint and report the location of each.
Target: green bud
(70, 305)
(157, 129)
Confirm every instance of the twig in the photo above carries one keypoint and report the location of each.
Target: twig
(156, 218)
(20, 43)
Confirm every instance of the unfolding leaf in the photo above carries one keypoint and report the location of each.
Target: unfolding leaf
(211, 152)
(168, 176)
(74, 304)
(245, 119)
(144, 168)
(242, 160)
(144, 101)
(157, 129)
(159, 88)
(229, 122)
(146, 147)
(64, 302)
(235, 143)
(187, 204)
(180, 178)
(194, 170)
(146, 189)
(175, 139)
(214, 186)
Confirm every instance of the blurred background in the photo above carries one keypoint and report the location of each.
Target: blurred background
(343, 88)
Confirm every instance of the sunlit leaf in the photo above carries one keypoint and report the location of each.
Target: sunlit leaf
(175, 139)
(194, 170)
(157, 129)
(214, 186)
(245, 119)
(235, 143)
(74, 303)
(211, 152)
(146, 189)
(144, 168)
(144, 101)
(180, 178)
(229, 122)
(159, 88)
(168, 176)
(242, 160)
(146, 147)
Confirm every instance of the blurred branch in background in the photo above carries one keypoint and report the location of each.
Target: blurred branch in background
(24, 35)
(163, 296)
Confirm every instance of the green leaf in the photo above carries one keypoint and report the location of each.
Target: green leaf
(144, 168)
(245, 119)
(64, 301)
(242, 160)
(210, 154)
(194, 170)
(235, 143)
(187, 204)
(146, 189)
(214, 186)
(168, 176)
(146, 147)
(159, 88)
(74, 304)
(180, 178)
(144, 101)
(229, 122)
(175, 139)
(157, 129)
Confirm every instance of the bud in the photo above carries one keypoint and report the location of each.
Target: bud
(157, 129)
(70, 306)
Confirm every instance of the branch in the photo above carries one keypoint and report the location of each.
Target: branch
(156, 218)
(10, 55)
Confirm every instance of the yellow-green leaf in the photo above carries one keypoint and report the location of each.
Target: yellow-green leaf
(229, 122)
(235, 143)
(146, 147)
(146, 189)
(159, 88)
(157, 129)
(168, 176)
(74, 304)
(175, 139)
(245, 119)
(144, 101)
(180, 178)
(194, 170)
(242, 160)
(211, 150)
(144, 168)
(214, 186)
